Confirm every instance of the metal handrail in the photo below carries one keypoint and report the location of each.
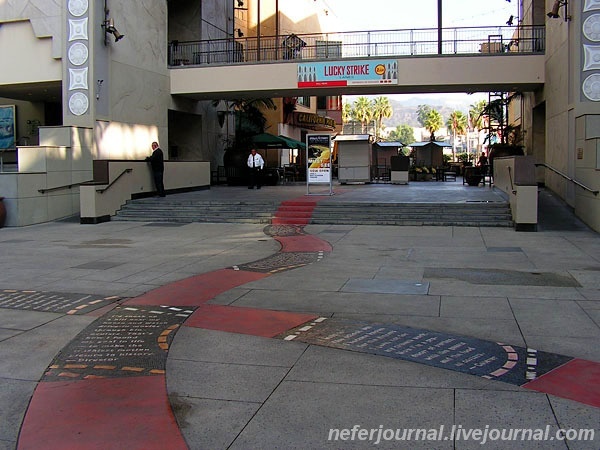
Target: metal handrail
(102, 191)
(568, 178)
(512, 186)
(66, 186)
(491, 40)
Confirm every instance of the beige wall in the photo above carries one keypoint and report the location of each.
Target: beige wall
(178, 175)
(31, 58)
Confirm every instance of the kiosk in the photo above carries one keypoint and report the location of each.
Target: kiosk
(354, 158)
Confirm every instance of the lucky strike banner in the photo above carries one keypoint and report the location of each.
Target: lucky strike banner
(347, 73)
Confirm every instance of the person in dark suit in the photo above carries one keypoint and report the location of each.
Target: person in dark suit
(157, 164)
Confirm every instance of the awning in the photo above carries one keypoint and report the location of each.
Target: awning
(293, 143)
(267, 140)
(426, 143)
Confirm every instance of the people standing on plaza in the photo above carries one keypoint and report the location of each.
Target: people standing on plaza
(256, 164)
(157, 164)
(483, 160)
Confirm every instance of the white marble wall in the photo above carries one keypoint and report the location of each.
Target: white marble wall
(45, 17)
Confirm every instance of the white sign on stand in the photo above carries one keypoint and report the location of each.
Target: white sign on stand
(318, 161)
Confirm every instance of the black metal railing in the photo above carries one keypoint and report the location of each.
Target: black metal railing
(102, 191)
(59, 188)
(568, 178)
(362, 44)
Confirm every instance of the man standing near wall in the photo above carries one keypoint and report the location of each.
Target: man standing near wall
(157, 165)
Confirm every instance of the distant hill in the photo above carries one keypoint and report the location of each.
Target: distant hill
(405, 110)
(405, 113)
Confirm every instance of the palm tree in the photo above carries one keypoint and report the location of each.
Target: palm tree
(363, 111)
(348, 115)
(476, 115)
(249, 115)
(382, 109)
(433, 122)
(457, 122)
(477, 119)
(347, 112)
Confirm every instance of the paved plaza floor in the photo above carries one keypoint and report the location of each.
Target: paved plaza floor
(245, 336)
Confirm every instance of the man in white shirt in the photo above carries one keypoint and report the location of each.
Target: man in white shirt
(256, 164)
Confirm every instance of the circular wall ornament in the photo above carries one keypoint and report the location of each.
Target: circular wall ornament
(78, 7)
(591, 87)
(78, 103)
(591, 27)
(78, 53)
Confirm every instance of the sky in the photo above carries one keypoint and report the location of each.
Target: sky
(354, 15)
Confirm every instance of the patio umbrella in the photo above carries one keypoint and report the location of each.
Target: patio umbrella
(293, 143)
(267, 140)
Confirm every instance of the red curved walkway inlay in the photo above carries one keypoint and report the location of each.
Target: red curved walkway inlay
(197, 290)
(303, 243)
(256, 322)
(111, 413)
(577, 380)
(134, 412)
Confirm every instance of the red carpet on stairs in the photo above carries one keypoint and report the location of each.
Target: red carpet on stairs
(294, 212)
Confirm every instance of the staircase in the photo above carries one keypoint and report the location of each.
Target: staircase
(187, 211)
(479, 214)
(417, 214)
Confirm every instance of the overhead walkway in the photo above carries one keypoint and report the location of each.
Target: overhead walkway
(480, 59)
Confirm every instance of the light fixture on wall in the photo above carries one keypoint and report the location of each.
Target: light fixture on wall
(109, 27)
(553, 13)
(239, 32)
(98, 88)
(509, 22)
(240, 3)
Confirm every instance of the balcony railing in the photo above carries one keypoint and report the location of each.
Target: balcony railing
(364, 44)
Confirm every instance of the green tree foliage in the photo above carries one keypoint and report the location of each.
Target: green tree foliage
(250, 119)
(457, 122)
(402, 133)
(422, 114)
(476, 115)
(433, 122)
(382, 109)
(347, 112)
(363, 112)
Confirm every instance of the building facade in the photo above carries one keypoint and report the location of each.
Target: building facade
(103, 70)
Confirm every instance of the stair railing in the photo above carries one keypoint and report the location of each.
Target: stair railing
(568, 178)
(66, 186)
(102, 191)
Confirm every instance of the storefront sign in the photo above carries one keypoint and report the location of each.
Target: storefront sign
(313, 121)
(347, 73)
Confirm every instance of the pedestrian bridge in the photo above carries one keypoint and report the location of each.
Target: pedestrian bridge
(474, 59)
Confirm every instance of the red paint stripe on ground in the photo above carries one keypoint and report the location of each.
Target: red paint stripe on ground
(256, 322)
(197, 290)
(106, 413)
(289, 221)
(577, 380)
(299, 202)
(303, 243)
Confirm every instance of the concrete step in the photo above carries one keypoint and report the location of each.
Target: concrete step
(299, 212)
